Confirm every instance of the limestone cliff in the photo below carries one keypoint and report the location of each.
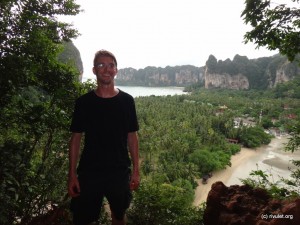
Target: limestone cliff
(236, 82)
(153, 76)
(239, 74)
(284, 72)
(242, 73)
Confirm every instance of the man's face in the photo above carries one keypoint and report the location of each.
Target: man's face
(105, 70)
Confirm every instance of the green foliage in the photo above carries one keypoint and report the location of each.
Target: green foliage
(34, 151)
(186, 136)
(294, 141)
(164, 204)
(36, 104)
(30, 41)
(254, 137)
(174, 128)
(182, 137)
(282, 189)
(287, 187)
(212, 64)
(293, 145)
(208, 161)
(289, 89)
(275, 26)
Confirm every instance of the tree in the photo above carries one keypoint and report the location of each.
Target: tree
(276, 26)
(30, 37)
(36, 96)
(163, 204)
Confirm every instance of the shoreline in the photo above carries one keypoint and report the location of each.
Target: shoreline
(237, 161)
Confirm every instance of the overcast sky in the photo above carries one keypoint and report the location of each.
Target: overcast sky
(162, 32)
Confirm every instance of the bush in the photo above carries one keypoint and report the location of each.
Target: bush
(163, 204)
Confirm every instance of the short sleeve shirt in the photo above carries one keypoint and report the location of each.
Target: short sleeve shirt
(105, 123)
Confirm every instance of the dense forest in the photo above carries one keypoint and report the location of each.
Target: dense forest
(185, 137)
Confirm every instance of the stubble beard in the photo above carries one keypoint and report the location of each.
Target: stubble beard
(106, 82)
(105, 78)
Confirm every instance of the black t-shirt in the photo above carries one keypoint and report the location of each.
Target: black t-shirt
(106, 123)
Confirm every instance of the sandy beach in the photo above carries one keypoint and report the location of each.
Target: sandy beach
(245, 161)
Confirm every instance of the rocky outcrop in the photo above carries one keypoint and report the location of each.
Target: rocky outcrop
(243, 205)
(153, 76)
(186, 76)
(236, 82)
(285, 72)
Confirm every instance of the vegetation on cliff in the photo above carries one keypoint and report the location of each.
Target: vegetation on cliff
(261, 73)
(71, 55)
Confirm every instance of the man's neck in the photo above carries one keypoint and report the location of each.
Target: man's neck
(106, 91)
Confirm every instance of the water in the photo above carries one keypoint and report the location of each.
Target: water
(138, 91)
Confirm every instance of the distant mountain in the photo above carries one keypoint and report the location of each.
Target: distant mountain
(239, 73)
(168, 76)
(71, 55)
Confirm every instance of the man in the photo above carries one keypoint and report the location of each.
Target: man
(107, 118)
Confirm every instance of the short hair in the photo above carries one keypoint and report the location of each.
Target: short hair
(103, 52)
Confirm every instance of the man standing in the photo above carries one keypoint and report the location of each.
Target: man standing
(107, 118)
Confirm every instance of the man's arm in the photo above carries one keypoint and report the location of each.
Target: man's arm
(74, 149)
(133, 146)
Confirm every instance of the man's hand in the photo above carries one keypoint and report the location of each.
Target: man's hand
(73, 186)
(74, 148)
(134, 181)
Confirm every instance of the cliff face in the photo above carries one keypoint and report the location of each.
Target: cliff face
(186, 76)
(242, 205)
(240, 81)
(239, 74)
(237, 82)
(283, 73)
(153, 76)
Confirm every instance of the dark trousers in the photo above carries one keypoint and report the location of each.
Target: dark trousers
(114, 185)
